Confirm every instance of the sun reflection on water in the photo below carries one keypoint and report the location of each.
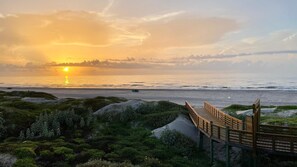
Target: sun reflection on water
(66, 81)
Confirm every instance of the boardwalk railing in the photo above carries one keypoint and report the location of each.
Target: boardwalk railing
(278, 129)
(200, 122)
(228, 120)
(277, 142)
(266, 139)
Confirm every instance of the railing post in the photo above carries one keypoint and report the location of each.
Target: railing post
(198, 120)
(243, 124)
(211, 130)
(291, 146)
(240, 137)
(203, 124)
(200, 140)
(219, 132)
(273, 143)
(227, 147)
(211, 143)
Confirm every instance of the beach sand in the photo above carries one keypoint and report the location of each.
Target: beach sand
(219, 98)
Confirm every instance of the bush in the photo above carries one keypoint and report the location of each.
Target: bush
(95, 154)
(148, 162)
(160, 154)
(128, 115)
(129, 153)
(157, 120)
(99, 102)
(112, 156)
(26, 162)
(102, 163)
(32, 94)
(179, 142)
(24, 152)
(62, 150)
(61, 164)
(46, 155)
(24, 105)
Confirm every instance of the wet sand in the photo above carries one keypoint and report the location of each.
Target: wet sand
(220, 98)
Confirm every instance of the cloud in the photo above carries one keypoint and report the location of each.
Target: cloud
(290, 37)
(277, 62)
(122, 64)
(163, 16)
(73, 36)
(186, 31)
(107, 8)
(64, 27)
(225, 56)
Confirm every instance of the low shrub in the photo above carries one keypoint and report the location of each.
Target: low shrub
(95, 154)
(24, 152)
(26, 162)
(32, 94)
(129, 153)
(179, 142)
(62, 150)
(100, 102)
(24, 105)
(46, 155)
(156, 120)
(149, 162)
(102, 163)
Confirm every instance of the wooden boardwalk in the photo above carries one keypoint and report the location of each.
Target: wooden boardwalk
(204, 114)
(247, 134)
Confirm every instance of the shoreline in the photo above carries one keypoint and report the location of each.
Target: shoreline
(219, 97)
(145, 89)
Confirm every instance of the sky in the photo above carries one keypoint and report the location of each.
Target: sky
(107, 37)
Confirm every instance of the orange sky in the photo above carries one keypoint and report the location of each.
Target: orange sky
(192, 35)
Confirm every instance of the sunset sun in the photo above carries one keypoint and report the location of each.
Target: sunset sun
(66, 69)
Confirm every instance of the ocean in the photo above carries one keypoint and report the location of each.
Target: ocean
(183, 82)
(220, 90)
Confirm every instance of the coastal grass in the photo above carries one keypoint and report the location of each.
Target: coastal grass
(284, 108)
(269, 118)
(33, 94)
(123, 140)
(279, 121)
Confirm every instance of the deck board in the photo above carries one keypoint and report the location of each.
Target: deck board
(203, 113)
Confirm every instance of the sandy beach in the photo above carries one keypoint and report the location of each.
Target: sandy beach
(220, 98)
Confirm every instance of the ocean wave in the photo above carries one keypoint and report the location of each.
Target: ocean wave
(143, 85)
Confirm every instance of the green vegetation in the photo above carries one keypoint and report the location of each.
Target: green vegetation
(99, 102)
(237, 107)
(22, 94)
(26, 162)
(266, 118)
(280, 121)
(66, 133)
(102, 163)
(283, 108)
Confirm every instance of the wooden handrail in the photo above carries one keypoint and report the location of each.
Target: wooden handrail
(278, 129)
(200, 122)
(277, 135)
(283, 143)
(228, 120)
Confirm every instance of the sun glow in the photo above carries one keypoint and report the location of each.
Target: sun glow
(66, 69)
